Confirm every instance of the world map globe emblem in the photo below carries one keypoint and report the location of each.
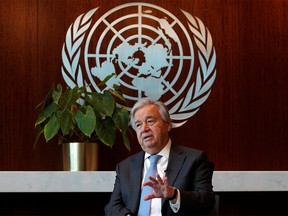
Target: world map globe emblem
(149, 49)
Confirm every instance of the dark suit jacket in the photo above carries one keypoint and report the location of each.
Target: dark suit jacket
(188, 170)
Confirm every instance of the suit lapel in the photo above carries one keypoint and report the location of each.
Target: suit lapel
(135, 179)
(175, 163)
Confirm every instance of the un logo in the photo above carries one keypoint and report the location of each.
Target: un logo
(149, 49)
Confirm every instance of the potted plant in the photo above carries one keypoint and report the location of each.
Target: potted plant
(81, 116)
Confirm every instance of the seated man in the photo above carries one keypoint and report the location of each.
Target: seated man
(183, 182)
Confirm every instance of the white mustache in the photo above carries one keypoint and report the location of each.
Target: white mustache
(143, 136)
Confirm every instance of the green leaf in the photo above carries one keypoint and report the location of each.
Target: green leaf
(51, 128)
(117, 92)
(40, 120)
(40, 130)
(103, 103)
(121, 118)
(46, 99)
(108, 77)
(66, 101)
(57, 94)
(126, 141)
(66, 122)
(106, 131)
(47, 112)
(71, 114)
(86, 121)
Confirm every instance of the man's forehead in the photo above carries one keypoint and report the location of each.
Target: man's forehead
(139, 117)
(149, 111)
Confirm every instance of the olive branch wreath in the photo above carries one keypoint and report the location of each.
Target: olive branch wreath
(71, 50)
(205, 77)
(197, 93)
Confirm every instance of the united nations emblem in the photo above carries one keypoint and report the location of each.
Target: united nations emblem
(149, 49)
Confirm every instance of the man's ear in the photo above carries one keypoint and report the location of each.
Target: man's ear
(169, 126)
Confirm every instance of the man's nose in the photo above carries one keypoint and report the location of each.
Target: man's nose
(145, 126)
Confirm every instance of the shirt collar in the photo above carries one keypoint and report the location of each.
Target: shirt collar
(164, 152)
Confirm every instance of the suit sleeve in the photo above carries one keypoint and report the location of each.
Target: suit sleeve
(116, 205)
(195, 185)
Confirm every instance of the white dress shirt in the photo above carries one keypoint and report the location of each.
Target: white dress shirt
(161, 169)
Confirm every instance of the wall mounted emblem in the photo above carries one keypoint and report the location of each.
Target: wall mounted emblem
(153, 53)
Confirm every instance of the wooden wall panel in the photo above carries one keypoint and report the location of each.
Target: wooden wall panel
(243, 124)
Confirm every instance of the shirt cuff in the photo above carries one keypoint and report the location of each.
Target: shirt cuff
(175, 206)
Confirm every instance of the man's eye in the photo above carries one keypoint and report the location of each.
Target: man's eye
(138, 125)
(150, 121)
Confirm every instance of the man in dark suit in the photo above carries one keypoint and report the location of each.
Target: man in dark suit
(183, 183)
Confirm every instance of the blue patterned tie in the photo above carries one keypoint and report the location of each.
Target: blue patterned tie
(144, 207)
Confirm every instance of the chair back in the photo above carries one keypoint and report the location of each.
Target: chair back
(215, 209)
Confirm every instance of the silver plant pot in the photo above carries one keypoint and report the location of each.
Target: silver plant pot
(79, 156)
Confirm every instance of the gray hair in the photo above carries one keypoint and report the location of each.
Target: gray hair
(163, 110)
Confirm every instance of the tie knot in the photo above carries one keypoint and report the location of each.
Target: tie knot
(154, 158)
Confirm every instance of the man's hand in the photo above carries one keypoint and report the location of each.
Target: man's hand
(160, 186)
